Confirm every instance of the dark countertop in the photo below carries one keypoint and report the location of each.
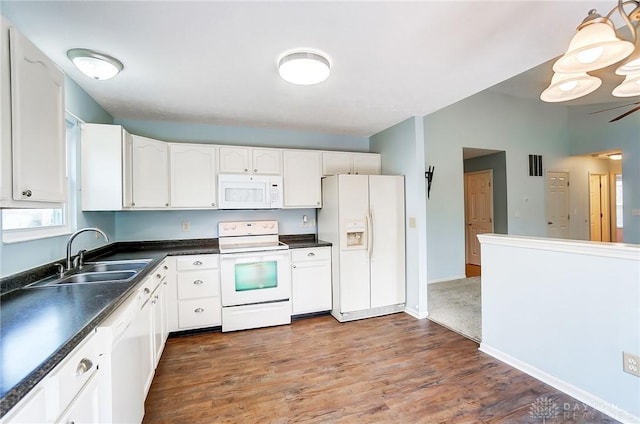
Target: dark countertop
(40, 326)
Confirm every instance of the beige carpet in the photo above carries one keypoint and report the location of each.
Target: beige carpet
(456, 305)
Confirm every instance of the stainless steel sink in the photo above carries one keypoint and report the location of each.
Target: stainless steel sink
(98, 272)
(95, 277)
(135, 265)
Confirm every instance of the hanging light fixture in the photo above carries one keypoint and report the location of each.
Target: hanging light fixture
(95, 65)
(304, 67)
(570, 86)
(596, 45)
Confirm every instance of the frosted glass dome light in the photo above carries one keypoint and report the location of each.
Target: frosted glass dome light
(304, 68)
(95, 65)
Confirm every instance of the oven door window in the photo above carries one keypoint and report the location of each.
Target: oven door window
(256, 275)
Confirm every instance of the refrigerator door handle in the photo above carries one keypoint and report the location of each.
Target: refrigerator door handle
(369, 234)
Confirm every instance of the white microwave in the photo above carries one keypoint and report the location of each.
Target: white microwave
(241, 191)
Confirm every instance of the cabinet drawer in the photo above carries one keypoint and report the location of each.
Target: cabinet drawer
(76, 370)
(199, 312)
(193, 284)
(311, 254)
(193, 262)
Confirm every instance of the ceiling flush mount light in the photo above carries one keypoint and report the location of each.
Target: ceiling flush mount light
(95, 65)
(304, 67)
(596, 45)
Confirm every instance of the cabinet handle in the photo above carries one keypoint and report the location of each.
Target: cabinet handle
(317, 203)
(255, 170)
(83, 366)
(27, 193)
(165, 267)
(245, 169)
(198, 282)
(146, 290)
(293, 266)
(158, 275)
(133, 204)
(156, 296)
(213, 204)
(311, 254)
(166, 204)
(197, 263)
(198, 310)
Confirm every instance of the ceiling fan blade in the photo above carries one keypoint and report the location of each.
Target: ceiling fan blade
(613, 108)
(629, 112)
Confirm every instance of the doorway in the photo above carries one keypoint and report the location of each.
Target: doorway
(599, 217)
(478, 211)
(486, 210)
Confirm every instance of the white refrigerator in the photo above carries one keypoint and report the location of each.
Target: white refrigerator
(363, 217)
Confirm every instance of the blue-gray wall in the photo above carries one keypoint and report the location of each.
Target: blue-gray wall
(498, 163)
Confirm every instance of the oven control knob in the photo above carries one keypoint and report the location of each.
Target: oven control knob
(264, 225)
(233, 227)
(224, 227)
(271, 225)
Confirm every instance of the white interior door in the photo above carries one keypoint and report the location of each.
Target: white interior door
(387, 240)
(557, 204)
(478, 210)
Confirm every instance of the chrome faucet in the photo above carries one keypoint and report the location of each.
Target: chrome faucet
(73, 236)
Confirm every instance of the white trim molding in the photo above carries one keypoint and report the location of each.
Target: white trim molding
(581, 247)
(579, 394)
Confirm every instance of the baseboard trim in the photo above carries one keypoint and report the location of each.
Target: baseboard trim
(415, 313)
(583, 396)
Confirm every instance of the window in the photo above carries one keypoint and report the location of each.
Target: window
(31, 224)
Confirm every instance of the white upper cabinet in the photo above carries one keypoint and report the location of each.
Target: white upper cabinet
(106, 167)
(366, 163)
(150, 173)
(266, 161)
(34, 149)
(302, 179)
(247, 160)
(334, 163)
(193, 175)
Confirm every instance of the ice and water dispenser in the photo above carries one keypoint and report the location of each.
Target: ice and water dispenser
(356, 236)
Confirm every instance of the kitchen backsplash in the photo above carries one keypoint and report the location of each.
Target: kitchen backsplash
(166, 225)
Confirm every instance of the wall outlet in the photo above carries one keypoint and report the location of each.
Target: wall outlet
(631, 363)
(186, 226)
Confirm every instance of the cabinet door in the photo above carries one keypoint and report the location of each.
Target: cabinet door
(302, 179)
(193, 175)
(266, 161)
(31, 409)
(38, 127)
(85, 408)
(366, 163)
(127, 169)
(157, 311)
(150, 173)
(334, 163)
(234, 160)
(311, 281)
(144, 330)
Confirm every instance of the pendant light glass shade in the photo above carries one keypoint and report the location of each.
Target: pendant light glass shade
(95, 65)
(595, 46)
(304, 68)
(565, 87)
(630, 87)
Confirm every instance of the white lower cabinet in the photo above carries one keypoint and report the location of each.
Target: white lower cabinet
(193, 299)
(72, 392)
(310, 280)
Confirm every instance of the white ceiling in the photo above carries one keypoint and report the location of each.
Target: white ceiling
(215, 62)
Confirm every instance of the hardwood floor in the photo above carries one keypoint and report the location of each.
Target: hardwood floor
(391, 369)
